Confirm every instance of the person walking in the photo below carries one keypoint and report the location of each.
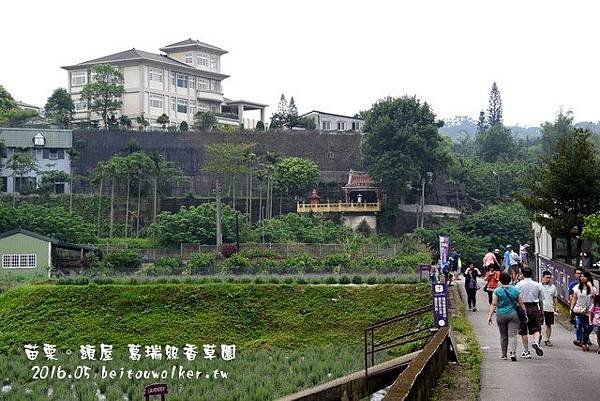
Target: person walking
(572, 283)
(492, 277)
(515, 264)
(506, 258)
(533, 298)
(580, 307)
(490, 259)
(550, 304)
(595, 319)
(505, 301)
(471, 286)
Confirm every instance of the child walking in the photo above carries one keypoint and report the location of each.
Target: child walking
(595, 318)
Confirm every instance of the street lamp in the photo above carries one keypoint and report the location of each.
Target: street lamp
(497, 185)
(429, 176)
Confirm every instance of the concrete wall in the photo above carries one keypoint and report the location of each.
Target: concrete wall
(543, 241)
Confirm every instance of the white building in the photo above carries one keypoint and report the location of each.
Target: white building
(48, 147)
(335, 122)
(185, 79)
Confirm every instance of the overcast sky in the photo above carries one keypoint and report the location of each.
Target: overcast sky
(335, 56)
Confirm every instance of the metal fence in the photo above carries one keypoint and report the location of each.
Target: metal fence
(186, 250)
(562, 274)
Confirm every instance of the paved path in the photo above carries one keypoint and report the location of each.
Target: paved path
(564, 373)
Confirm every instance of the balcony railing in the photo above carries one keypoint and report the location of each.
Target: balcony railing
(338, 207)
(231, 116)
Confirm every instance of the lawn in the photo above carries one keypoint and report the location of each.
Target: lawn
(287, 337)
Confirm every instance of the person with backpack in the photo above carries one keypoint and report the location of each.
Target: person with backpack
(506, 301)
(471, 286)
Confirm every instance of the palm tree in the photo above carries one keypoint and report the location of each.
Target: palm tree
(73, 154)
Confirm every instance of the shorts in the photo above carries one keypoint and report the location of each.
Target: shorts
(533, 324)
(548, 318)
(514, 269)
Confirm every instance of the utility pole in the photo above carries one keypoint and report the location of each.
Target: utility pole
(422, 202)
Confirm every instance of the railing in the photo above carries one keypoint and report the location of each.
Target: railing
(338, 207)
(231, 116)
(419, 328)
(562, 274)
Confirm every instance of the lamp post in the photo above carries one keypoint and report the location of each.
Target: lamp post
(497, 185)
(429, 176)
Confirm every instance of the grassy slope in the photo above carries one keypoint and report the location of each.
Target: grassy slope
(283, 316)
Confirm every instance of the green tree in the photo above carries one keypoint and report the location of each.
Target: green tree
(551, 132)
(60, 108)
(104, 91)
(20, 164)
(225, 159)
(495, 143)
(183, 127)
(49, 180)
(125, 122)
(10, 114)
(482, 124)
(260, 126)
(292, 119)
(566, 188)
(204, 121)
(495, 109)
(197, 224)
(142, 122)
(402, 144)
(294, 174)
(163, 120)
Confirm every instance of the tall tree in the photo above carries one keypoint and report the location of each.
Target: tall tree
(73, 155)
(495, 143)
(566, 188)
(482, 124)
(104, 91)
(495, 109)
(292, 119)
(60, 108)
(551, 132)
(402, 144)
(225, 159)
(20, 164)
(282, 106)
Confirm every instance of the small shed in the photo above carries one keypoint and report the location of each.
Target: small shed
(26, 253)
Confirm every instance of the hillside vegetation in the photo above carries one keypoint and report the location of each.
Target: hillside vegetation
(248, 315)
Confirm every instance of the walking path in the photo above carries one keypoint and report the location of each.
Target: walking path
(563, 373)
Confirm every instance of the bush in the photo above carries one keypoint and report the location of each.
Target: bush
(228, 249)
(371, 264)
(372, 280)
(202, 263)
(164, 266)
(357, 280)
(236, 264)
(345, 280)
(258, 252)
(266, 266)
(332, 261)
(410, 263)
(308, 229)
(123, 261)
(302, 264)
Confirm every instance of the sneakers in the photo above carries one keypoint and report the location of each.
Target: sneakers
(474, 309)
(526, 355)
(513, 357)
(577, 343)
(548, 343)
(504, 358)
(538, 350)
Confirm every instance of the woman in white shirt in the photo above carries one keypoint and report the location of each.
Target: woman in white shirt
(581, 302)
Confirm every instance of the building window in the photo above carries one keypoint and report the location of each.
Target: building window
(19, 261)
(155, 74)
(214, 63)
(189, 58)
(79, 78)
(192, 82)
(341, 126)
(202, 59)
(203, 107)
(355, 126)
(202, 84)
(172, 79)
(182, 105)
(326, 125)
(173, 104)
(156, 101)
(3, 184)
(182, 81)
(53, 154)
(80, 104)
(214, 85)
(330, 154)
(192, 107)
